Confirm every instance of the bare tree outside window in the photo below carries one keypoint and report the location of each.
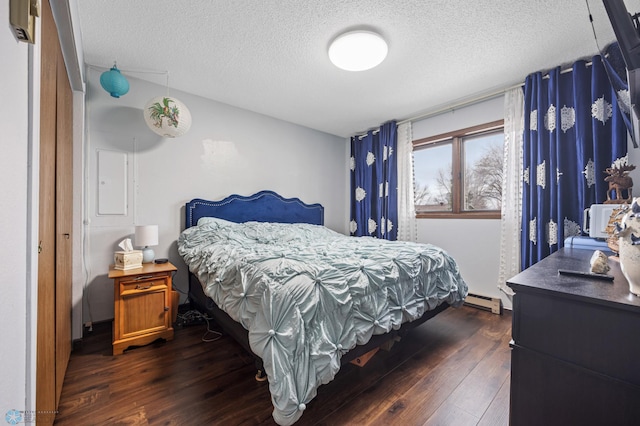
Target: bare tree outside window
(483, 177)
(433, 176)
(460, 174)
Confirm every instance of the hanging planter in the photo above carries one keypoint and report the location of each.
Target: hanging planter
(167, 116)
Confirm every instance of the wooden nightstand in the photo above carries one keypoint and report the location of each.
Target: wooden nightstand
(142, 305)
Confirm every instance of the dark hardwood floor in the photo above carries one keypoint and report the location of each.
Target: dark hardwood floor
(452, 370)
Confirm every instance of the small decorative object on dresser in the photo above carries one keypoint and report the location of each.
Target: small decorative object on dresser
(620, 182)
(599, 263)
(628, 232)
(616, 215)
(142, 305)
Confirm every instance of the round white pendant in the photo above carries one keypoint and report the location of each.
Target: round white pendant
(167, 116)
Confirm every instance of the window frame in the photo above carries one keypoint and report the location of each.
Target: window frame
(456, 138)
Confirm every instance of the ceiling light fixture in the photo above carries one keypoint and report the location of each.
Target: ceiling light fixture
(358, 50)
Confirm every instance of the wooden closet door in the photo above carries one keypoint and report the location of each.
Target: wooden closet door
(45, 359)
(64, 216)
(55, 219)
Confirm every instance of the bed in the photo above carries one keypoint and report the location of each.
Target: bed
(302, 298)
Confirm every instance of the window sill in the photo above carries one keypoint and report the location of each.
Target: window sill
(463, 215)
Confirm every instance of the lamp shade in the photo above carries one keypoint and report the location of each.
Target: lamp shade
(167, 116)
(114, 82)
(147, 235)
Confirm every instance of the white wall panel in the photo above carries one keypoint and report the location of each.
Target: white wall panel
(112, 182)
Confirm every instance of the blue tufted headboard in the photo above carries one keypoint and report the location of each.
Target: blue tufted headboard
(263, 206)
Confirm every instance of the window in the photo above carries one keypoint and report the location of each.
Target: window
(459, 174)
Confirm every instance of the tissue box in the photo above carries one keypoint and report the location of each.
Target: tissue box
(128, 259)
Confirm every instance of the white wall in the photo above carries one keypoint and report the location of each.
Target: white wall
(18, 217)
(474, 243)
(227, 151)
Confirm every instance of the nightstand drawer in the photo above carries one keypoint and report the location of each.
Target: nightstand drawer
(147, 283)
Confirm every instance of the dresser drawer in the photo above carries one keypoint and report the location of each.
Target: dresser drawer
(590, 335)
(548, 391)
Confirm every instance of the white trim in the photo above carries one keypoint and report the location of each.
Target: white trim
(33, 205)
(65, 13)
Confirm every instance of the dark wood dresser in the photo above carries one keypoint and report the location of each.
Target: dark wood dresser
(575, 353)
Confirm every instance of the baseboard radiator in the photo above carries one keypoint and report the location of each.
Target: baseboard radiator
(493, 304)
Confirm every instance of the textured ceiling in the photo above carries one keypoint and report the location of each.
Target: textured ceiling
(270, 56)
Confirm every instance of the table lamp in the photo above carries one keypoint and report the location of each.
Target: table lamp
(147, 235)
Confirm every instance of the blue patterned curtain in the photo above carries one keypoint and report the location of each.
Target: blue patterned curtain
(574, 130)
(617, 73)
(374, 188)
